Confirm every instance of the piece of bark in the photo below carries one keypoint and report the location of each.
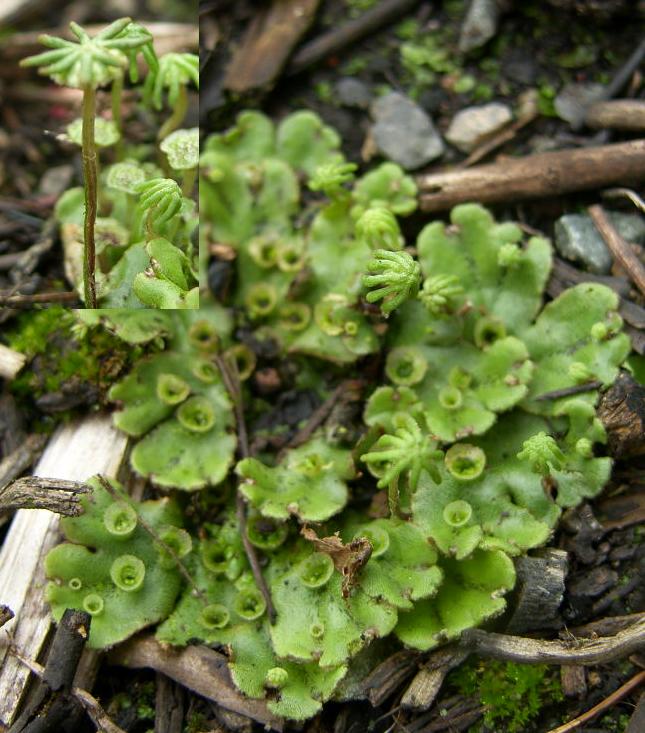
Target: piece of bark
(269, 40)
(169, 705)
(21, 458)
(75, 452)
(637, 721)
(617, 114)
(54, 495)
(536, 651)
(384, 679)
(540, 589)
(232, 722)
(385, 12)
(12, 427)
(424, 688)
(574, 680)
(573, 276)
(622, 412)
(51, 704)
(11, 362)
(624, 510)
(620, 249)
(534, 176)
(606, 626)
(198, 668)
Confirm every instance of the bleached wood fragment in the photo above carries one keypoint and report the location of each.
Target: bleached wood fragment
(75, 452)
(11, 362)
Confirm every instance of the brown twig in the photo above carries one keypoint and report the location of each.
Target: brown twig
(316, 419)
(231, 380)
(334, 41)
(30, 258)
(556, 394)
(55, 495)
(534, 176)
(619, 694)
(537, 651)
(177, 560)
(612, 193)
(26, 301)
(618, 246)
(618, 114)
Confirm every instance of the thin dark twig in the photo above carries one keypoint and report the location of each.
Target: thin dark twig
(17, 300)
(619, 248)
(182, 568)
(630, 685)
(316, 419)
(612, 193)
(567, 391)
(231, 379)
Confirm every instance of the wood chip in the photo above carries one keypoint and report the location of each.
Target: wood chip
(622, 412)
(11, 362)
(75, 452)
(273, 33)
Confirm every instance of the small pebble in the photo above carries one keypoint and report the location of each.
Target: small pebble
(578, 240)
(480, 24)
(353, 92)
(472, 125)
(403, 132)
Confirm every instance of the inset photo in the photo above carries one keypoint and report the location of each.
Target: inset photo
(99, 149)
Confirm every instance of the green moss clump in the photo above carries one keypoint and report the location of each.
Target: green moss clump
(513, 694)
(58, 352)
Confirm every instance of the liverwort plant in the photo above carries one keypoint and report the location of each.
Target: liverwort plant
(88, 64)
(452, 386)
(176, 71)
(138, 253)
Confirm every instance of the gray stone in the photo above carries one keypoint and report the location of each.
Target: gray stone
(480, 24)
(403, 132)
(577, 239)
(56, 180)
(572, 102)
(520, 68)
(472, 125)
(353, 92)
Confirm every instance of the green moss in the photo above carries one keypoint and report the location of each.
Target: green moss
(58, 351)
(514, 694)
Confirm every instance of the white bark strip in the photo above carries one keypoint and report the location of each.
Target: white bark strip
(75, 452)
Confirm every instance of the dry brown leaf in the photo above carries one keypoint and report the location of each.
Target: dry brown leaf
(348, 558)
